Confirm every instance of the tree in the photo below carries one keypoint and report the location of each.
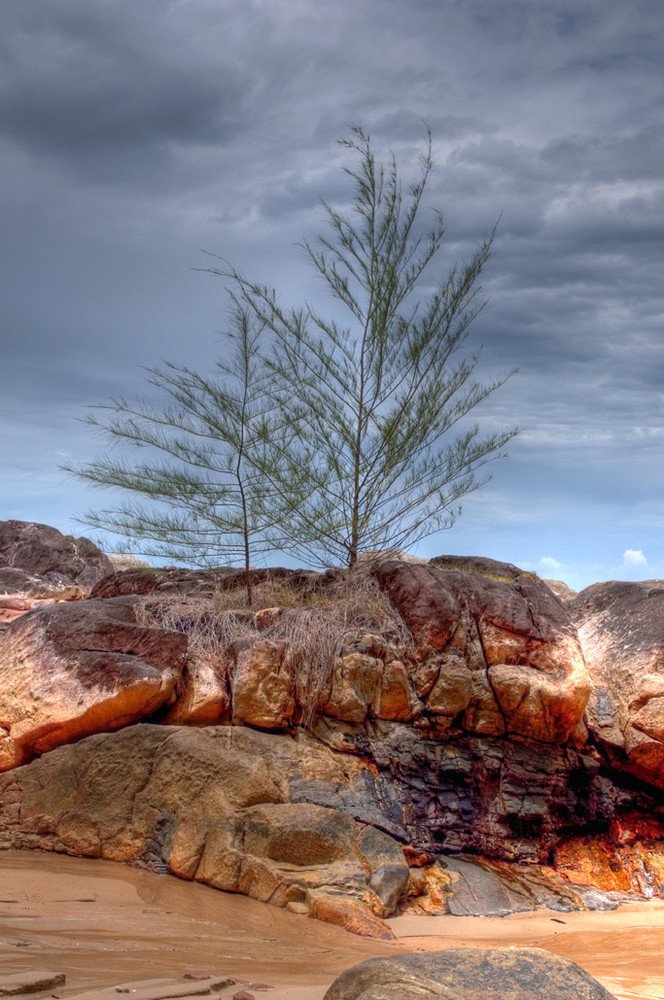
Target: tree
(210, 472)
(380, 396)
(318, 438)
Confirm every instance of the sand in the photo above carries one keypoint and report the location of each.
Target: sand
(102, 924)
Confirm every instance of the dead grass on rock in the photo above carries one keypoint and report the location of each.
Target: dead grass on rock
(314, 621)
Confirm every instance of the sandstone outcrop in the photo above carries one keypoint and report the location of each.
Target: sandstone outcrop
(494, 654)
(517, 973)
(290, 756)
(78, 668)
(228, 806)
(621, 628)
(508, 659)
(32, 555)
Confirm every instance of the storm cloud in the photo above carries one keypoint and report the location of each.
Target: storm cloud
(133, 136)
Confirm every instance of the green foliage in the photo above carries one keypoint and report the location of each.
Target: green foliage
(318, 437)
(383, 399)
(211, 476)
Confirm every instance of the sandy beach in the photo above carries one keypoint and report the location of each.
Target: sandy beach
(102, 924)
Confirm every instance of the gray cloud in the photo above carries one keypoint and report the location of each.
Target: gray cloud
(134, 135)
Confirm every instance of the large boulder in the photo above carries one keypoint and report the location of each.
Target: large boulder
(496, 651)
(72, 669)
(33, 554)
(240, 810)
(621, 628)
(468, 974)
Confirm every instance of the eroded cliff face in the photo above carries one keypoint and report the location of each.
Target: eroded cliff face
(474, 727)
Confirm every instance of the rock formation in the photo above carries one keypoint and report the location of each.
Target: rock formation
(32, 555)
(303, 761)
(241, 810)
(73, 669)
(621, 627)
(518, 973)
(509, 660)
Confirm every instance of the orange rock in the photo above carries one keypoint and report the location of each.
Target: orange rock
(69, 670)
(201, 697)
(355, 682)
(263, 685)
(350, 914)
(636, 868)
(396, 699)
(510, 656)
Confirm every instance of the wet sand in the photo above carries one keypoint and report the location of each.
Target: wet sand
(102, 924)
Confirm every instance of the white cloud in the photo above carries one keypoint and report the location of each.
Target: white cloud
(634, 558)
(548, 562)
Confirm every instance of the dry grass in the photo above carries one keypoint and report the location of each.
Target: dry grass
(313, 623)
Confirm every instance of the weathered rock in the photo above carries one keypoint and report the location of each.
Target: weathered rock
(263, 686)
(498, 798)
(228, 806)
(29, 982)
(561, 590)
(17, 581)
(125, 560)
(468, 974)
(371, 680)
(505, 651)
(496, 654)
(621, 628)
(634, 867)
(202, 694)
(72, 669)
(40, 553)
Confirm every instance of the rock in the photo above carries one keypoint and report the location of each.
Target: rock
(495, 647)
(373, 557)
(159, 989)
(634, 867)
(561, 590)
(226, 806)
(370, 679)
(468, 974)
(495, 654)
(621, 628)
(29, 982)
(489, 888)
(202, 694)
(263, 686)
(17, 581)
(72, 669)
(42, 554)
(125, 560)
(501, 799)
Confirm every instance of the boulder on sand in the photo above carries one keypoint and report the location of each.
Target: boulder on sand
(468, 974)
(227, 806)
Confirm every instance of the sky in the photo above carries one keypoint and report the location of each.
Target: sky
(136, 137)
